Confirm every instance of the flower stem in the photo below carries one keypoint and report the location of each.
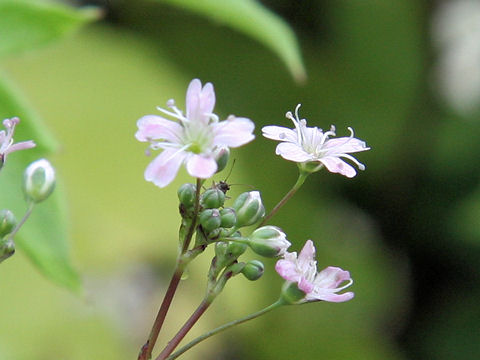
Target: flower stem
(222, 328)
(147, 348)
(172, 344)
(31, 204)
(301, 179)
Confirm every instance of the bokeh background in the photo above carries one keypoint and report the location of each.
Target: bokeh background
(403, 73)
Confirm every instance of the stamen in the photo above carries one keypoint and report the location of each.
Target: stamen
(177, 115)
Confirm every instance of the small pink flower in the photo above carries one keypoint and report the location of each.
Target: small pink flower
(6, 140)
(192, 139)
(311, 145)
(323, 285)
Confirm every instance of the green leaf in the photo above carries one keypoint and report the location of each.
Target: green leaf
(252, 19)
(44, 236)
(27, 24)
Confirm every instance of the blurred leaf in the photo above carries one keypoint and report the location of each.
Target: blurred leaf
(44, 236)
(252, 19)
(26, 24)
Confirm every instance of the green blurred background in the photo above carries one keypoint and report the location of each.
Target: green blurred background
(406, 228)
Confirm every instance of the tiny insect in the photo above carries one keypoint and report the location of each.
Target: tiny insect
(223, 185)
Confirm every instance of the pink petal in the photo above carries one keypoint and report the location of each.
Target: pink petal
(336, 165)
(287, 270)
(279, 133)
(307, 254)
(292, 152)
(233, 132)
(331, 297)
(163, 169)
(331, 277)
(346, 145)
(20, 146)
(156, 127)
(200, 102)
(201, 166)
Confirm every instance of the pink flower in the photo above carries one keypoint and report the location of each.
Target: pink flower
(323, 285)
(192, 139)
(6, 140)
(311, 145)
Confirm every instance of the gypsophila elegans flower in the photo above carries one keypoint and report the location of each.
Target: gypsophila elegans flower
(323, 285)
(191, 139)
(311, 145)
(7, 145)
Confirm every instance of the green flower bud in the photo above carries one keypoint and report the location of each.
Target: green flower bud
(38, 180)
(269, 241)
(186, 194)
(235, 249)
(7, 249)
(253, 270)
(212, 199)
(228, 217)
(210, 219)
(221, 156)
(7, 222)
(249, 208)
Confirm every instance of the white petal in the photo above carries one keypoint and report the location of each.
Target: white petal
(201, 166)
(200, 102)
(233, 132)
(345, 145)
(163, 169)
(292, 152)
(336, 165)
(157, 128)
(279, 133)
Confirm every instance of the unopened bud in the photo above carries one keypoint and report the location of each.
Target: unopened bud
(7, 222)
(186, 194)
(228, 217)
(235, 249)
(249, 208)
(253, 270)
(291, 294)
(38, 180)
(212, 199)
(221, 156)
(269, 241)
(210, 219)
(7, 249)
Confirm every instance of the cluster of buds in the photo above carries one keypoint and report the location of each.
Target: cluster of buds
(223, 225)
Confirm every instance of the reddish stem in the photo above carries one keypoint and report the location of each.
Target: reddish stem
(172, 344)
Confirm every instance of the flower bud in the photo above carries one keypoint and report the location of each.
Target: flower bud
(38, 180)
(7, 249)
(186, 194)
(210, 219)
(212, 198)
(221, 156)
(228, 217)
(253, 270)
(269, 241)
(7, 222)
(249, 208)
(235, 249)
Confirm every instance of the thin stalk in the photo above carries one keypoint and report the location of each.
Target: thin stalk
(147, 348)
(222, 328)
(31, 204)
(172, 344)
(301, 179)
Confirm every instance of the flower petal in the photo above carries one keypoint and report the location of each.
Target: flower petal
(279, 133)
(292, 152)
(163, 169)
(20, 146)
(345, 145)
(331, 297)
(233, 132)
(157, 128)
(287, 270)
(336, 165)
(200, 102)
(201, 166)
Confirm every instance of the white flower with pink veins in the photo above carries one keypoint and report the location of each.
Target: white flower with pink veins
(192, 139)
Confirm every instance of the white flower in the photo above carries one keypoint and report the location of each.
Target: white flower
(311, 145)
(192, 139)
